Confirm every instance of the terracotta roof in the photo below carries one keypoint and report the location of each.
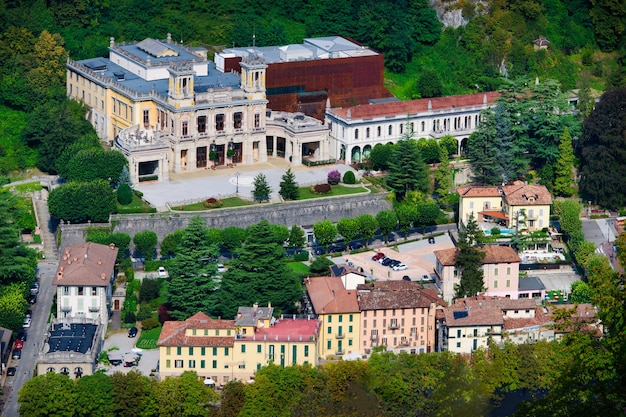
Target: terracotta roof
(484, 315)
(526, 194)
(88, 264)
(173, 332)
(493, 255)
(395, 108)
(496, 214)
(478, 191)
(329, 296)
(387, 295)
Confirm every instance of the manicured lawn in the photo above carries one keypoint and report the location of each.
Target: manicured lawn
(227, 202)
(299, 268)
(337, 190)
(135, 206)
(148, 338)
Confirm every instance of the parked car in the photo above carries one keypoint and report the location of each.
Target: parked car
(406, 278)
(431, 240)
(132, 332)
(11, 371)
(162, 272)
(425, 277)
(221, 268)
(17, 353)
(29, 313)
(21, 335)
(400, 267)
(19, 344)
(393, 263)
(378, 256)
(32, 299)
(34, 289)
(27, 321)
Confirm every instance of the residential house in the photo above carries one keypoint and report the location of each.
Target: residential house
(5, 348)
(355, 130)
(339, 314)
(399, 315)
(500, 272)
(84, 282)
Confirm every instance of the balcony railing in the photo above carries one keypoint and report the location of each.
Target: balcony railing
(66, 309)
(94, 309)
(393, 326)
(340, 336)
(374, 337)
(404, 342)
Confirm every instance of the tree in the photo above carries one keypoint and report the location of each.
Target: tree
(443, 177)
(288, 186)
(192, 272)
(262, 190)
(296, 237)
(569, 217)
(321, 266)
(349, 178)
(367, 227)
(380, 156)
(602, 151)
(469, 260)
(407, 171)
(145, 243)
(149, 289)
(563, 171)
(483, 152)
(50, 394)
(233, 238)
(79, 202)
(509, 167)
(325, 232)
(13, 305)
(94, 396)
(258, 275)
(232, 399)
(429, 84)
(124, 178)
(280, 233)
(133, 394)
(427, 214)
(348, 228)
(581, 293)
(407, 214)
(124, 195)
(185, 396)
(387, 222)
(94, 163)
(169, 245)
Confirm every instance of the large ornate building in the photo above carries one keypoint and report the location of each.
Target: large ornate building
(168, 109)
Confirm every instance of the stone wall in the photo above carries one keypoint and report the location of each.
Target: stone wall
(302, 213)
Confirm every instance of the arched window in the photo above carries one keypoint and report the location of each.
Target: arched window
(65, 371)
(51, 369)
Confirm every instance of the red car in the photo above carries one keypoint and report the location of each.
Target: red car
(378, 256)
(19, 344)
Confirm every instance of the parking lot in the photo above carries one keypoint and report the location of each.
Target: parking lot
(126, 345)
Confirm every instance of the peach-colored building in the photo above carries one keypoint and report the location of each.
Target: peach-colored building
(500, 269)
(399, 315)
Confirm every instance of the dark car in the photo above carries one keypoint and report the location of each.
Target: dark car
(406, 278)
(21, 335)
(11, 371)
(132, 332)
(17, 353)
(32, 299)
(393, 263)
(387, 261)
(431, 240)
(34, 289)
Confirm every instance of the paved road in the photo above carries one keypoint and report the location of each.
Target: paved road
(26, 365)
(599, 231)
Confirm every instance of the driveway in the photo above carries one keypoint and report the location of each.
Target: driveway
(120, 340)
(187, 188)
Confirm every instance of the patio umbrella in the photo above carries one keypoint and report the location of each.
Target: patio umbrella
(209, 381)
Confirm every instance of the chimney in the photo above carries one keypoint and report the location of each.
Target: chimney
(103, 276)
(59, 275)
(111, 246)
(99, 261)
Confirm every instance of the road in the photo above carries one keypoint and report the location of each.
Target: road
(26, 365)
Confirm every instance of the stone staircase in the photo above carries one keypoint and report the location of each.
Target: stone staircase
(48, 236)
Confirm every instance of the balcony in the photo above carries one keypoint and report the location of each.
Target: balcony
(340, 336)
(94, 309)
(404, 342)
(393, 326)
(66, 309)
(340, 353)
(374, 337)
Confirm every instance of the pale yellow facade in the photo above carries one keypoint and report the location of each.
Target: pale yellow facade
(469, 206)
(531, 217)
(339, 334)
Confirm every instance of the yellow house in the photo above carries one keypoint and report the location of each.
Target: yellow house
(480, 202)
(340, 318)
(223, 350)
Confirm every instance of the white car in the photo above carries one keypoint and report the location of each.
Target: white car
(162, 272)
(221, 268)
(400, 267)
(27, 322)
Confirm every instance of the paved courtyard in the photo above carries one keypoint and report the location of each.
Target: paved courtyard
(185, 188)
(126, 345)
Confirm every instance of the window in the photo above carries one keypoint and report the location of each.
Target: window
(228, 332)
(81, 290)
(190, 351)
(349, 329)
(242, 366)
(350, 318)
(306, 351)
(508, 271)
(217, 332)
(329, 344)
(475, 332)
(340, 330)
(243, 348)
(349, 342)
(146, 117)
(225, 351)
(401, 129)
(219, 122)
(458, 333)
(203, 364)
(367, 132)
(237, 118)
(206, 332)
(271, 354)
(423, 126)
(178, 363)
(94, 290)
(201, 124)
(192, 363)
(214, 351)
(202, 351)
(495, 284)
(378, 130)
(458, 344)
(257, 120)
(168, 350)
(214, 364)
(340, 318)
(66, 290)
(168, 363)
(356, 133)
(330, 319)
(508, 283)
(330, 330)
(179, 350)
(390, 130)
(412, 127)
(258, 348)
(495, 272)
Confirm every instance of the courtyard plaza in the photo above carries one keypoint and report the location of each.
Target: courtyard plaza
(192, 187)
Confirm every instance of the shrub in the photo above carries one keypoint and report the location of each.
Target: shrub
(138, 193)
(334, 177)
(144, 311)
(124, 195)
(149, 324)
(495, 231)
(301, 256)
(164, 313)
(349, 178)
(212, 203)
(321, 188)
(130, 317)
(149, 289)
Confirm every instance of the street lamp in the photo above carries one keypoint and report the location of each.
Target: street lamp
(237, 183)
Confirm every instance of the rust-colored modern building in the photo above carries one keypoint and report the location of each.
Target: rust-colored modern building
(301, 78)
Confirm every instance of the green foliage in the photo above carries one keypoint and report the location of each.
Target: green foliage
(569, 216)
(564, 167)
(145, 243)
(262, 190)
(407, 214)
(124, 194)
(367, 226)
(170, 243)
(407, 171)
(429, 84)
(581, 293)
(380, 156)
(321, 266)
(296, 237)
(233, 237)
(387, 222)
(150, 323)
(79, 202)
(443, 177)
(50, 394)
(14, 154)
(149, 289)
(288, 186)
(469, 260)
(325, 232)
(94, 163)
(13, 305)
(603, 151)
(280, 233)
(349, 178)
(348, 227)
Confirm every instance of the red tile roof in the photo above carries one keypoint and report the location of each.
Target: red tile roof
(386, 295)
(480, 316)
(329, 296)
(478, 191)
(526, 194)
(493, 255)
(173, 332)
(88, 264)
(395, 108)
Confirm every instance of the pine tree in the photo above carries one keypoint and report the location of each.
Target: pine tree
(564, 166)
(469, 260)
(289, 186)
(407, 170)
(262, 190)
(124, 178)
(508, 168)
(483, 152)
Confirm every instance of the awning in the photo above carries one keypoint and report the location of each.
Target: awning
(209, 381)
(494, 214)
